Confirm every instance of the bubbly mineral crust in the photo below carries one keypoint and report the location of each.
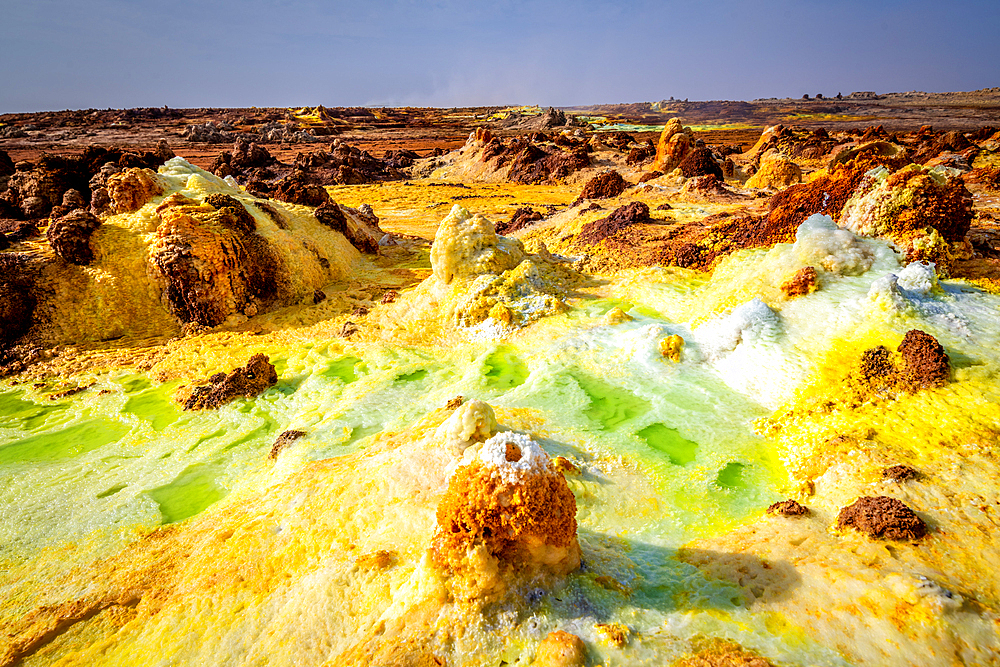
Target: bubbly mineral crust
(508, 515)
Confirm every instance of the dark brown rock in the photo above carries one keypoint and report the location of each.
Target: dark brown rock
(605, 185)
(331, 215)
(650, 175)
(701, 162)
(881, 517)
(925, 363)
(619, 140)
(788, 508)
(17, 307)
(70, 235)
(295, 190)
(640, 154)
(522, 217)
(283, 441)
(246, 382)
(620, 218)
(237, 217)
(900, 473)
(19, 230)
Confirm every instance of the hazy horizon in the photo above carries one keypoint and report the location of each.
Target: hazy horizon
(120, 54)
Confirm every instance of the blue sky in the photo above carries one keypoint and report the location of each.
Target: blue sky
(57, 54)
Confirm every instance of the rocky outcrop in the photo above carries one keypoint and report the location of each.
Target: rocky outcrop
(522, 217)
(925, 363)
(921, 210)
(700, 162)
(360, 225)
(17, 302)
(244, 382)
(775, 172)
(532, 163)
(210, 264)
(132, 189)
(507, 515)
(70, 235)
(673, 146)
(881, 517)
(605, 185)
(788, 508)
(35, 189)
(620, 218)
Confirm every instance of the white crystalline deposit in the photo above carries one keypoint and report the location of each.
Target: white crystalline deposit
(919, 278)
(529, 458)
(750, 323)
(820, 242)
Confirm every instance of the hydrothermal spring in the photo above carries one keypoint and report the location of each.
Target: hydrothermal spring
(181, 540)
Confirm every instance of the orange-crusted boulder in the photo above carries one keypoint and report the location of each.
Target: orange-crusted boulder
(508, 514)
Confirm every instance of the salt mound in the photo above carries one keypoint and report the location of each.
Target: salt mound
(485, 283)
(818, 240)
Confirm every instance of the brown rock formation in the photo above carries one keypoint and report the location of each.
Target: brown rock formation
(788, 508)
(247, 381)
(881, 517)
(620, 218)
(925, 363)
(522, 217)
(210, 264)
(674, 144)
(70, 235)
(495, 522)
(700, 162)
(131, 189)
(605, 185)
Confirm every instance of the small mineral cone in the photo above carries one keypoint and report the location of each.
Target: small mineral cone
(561, 649)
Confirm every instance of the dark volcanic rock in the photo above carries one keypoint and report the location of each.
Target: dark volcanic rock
(283, 441)
(530, 162)
(238, 219)
(620, 218)
(17, 306)
(605, 185)
(331, 215)
(296, 190)
(925, 363)
(788, 508)
(522, 217)
(247, 381)
(70, 235)
(700, 162)
(881, 517)
(640, 154)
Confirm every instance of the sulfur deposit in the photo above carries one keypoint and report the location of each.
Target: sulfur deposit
(507, 516)
(497, 405)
